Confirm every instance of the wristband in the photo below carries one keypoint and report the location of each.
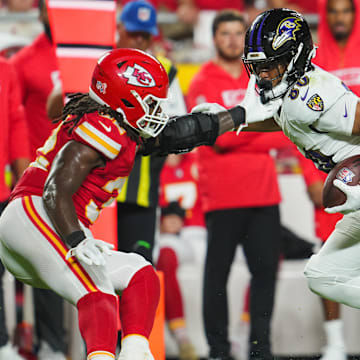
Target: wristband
(237, 114)
(75, 238)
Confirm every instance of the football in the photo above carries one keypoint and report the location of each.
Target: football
(348, 171)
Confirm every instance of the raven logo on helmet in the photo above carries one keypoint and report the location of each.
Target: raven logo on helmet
(139, 76)
(286, 31)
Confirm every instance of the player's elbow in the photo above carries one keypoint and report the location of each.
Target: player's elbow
(356, 126)
(49, 195)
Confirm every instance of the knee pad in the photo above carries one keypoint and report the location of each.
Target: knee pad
(121, 267)
(316, 278)
(315, 268)
(134, 263)
(321, 280)
(137, 261)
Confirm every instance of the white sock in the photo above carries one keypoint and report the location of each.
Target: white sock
(135, 347)
(135, 340)
(180, 335)
(101, 355)
(334, 332)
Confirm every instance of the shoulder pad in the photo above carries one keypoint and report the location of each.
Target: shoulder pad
(312, 95)
(102, 133)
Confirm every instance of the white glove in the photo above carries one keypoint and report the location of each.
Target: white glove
(208, 108)
(255, 110)
(90, 251)
(352, 202)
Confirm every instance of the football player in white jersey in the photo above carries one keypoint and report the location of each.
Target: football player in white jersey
(322, 117)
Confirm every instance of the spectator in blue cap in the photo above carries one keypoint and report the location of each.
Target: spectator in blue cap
(138, 203)
(137, 25)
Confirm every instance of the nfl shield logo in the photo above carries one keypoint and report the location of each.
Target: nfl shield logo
(144, 14)
(345, 175)
(101, 87)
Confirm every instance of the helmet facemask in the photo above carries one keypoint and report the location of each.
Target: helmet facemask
(257, 61)
(134, 84)
(278, 37)
(155, 119)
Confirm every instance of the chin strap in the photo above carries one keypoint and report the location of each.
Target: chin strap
(274, 93)
(267, 92)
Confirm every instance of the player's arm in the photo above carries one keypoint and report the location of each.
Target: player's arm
(356, 126)
(70, 167)
(183, 133)
(208, 121)
(267, 125)
(55, 102)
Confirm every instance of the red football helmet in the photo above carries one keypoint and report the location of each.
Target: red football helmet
(134, 84)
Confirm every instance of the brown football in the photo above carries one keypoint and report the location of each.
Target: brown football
(348, 171)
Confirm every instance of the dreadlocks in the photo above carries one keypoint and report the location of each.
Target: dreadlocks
(81, 104)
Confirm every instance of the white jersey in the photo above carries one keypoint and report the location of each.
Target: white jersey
(318, 114)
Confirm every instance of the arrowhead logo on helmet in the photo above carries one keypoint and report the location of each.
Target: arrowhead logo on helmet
(138, 76)
(135, 91)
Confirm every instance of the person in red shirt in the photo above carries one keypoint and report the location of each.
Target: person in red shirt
(324, 225)
(14, 134)
(303, 6)
(339, 40)
(188, 10)
(37, 70)
(179, 182)
(14, 153)
(238, 185)
(182, 233)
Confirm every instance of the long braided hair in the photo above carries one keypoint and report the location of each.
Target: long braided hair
(81, 104)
